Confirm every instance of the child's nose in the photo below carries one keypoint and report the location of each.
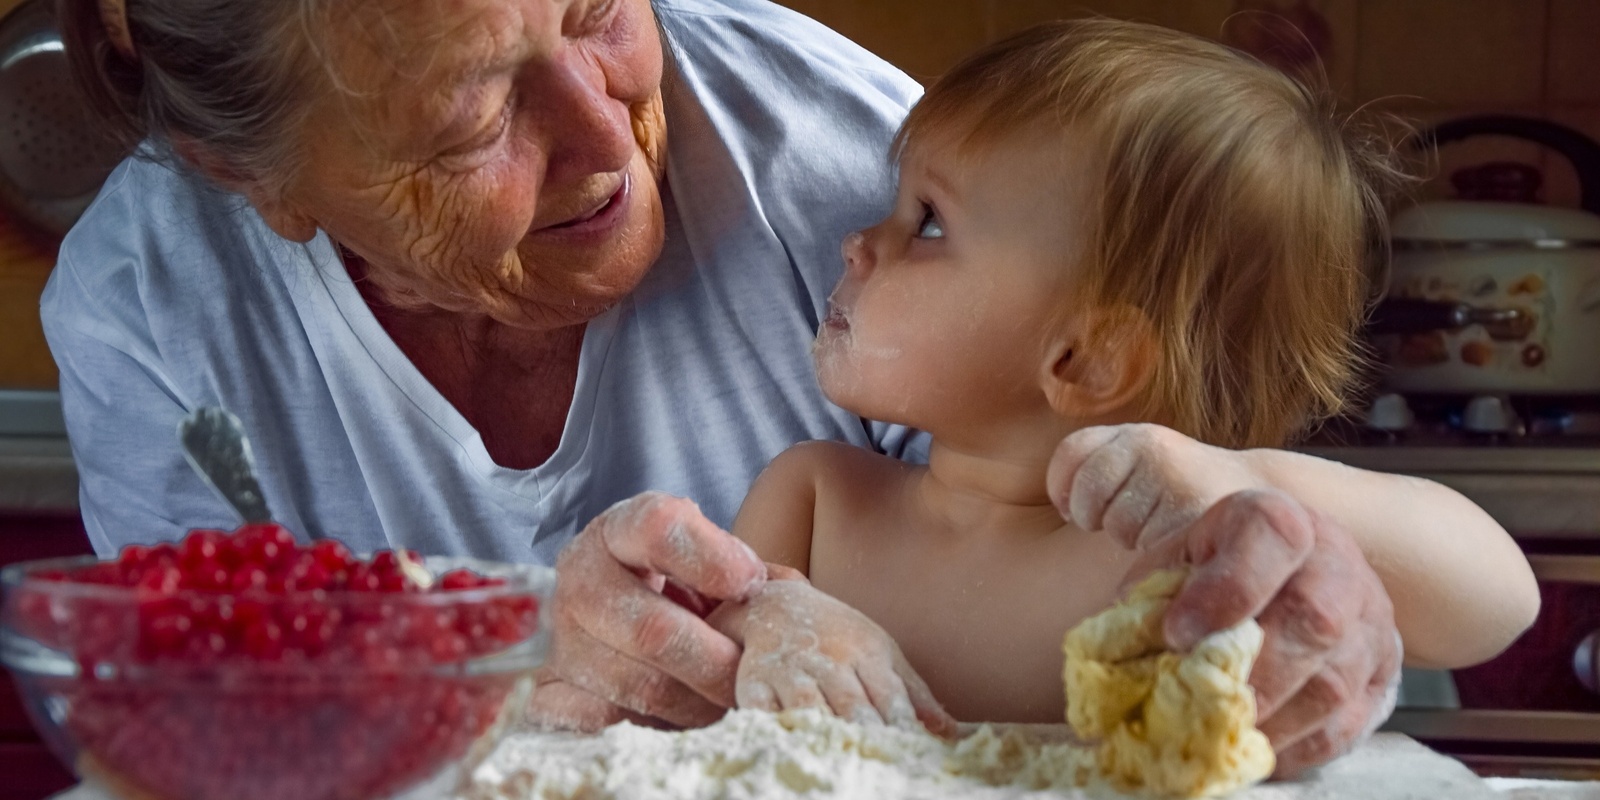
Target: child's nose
(857, 256)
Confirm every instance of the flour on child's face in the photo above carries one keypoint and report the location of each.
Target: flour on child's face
(945, 307)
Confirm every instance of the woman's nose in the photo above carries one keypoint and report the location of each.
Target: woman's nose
(589, 131)
(858, 258)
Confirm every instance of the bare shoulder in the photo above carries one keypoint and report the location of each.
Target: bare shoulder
(832, 471)
(777, 515)
(848, 468)
(802, 488)
(858, 491)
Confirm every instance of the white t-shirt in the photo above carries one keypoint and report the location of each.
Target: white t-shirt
(170, 295)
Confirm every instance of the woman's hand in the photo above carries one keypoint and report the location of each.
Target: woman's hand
(629, 638)
(1331, 659)
(805, 649)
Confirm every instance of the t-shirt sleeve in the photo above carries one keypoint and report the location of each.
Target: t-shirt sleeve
(122, 413)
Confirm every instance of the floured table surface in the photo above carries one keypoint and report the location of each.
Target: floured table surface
(837, 761)
(1388, 767)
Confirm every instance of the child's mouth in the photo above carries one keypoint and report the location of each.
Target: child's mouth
(836, 320)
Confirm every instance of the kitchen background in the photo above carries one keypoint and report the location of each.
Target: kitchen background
(1426, 60)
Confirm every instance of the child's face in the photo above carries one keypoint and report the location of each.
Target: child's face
(946, 308)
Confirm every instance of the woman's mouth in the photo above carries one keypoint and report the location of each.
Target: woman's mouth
(601, 216)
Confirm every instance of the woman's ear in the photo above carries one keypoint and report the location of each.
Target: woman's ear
(1101, 363)
(279, 214)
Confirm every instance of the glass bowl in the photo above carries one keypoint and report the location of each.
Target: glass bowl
(321, 695)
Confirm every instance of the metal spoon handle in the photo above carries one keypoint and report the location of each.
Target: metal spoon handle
(215, 445)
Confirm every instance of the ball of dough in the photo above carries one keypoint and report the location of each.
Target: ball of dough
(1180, 724)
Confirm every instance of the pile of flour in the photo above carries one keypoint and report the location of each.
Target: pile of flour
(809, 755)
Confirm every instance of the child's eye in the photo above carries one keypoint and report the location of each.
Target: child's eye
(929, 227)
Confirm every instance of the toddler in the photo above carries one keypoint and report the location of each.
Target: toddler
(1098, 223)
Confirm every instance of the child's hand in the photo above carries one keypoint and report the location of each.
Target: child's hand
(804, 649)
(1141, 483)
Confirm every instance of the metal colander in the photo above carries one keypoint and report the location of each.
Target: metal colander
(54, 154)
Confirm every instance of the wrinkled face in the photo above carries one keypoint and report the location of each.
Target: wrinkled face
(947, 308)
(492, 156)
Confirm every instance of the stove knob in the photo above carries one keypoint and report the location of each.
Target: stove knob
(1584, 662)
(1489, 414)
(1390, 413)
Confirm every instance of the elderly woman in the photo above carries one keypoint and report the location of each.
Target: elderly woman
(472, 271)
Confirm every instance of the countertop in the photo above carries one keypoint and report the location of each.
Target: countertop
(36, 469)
(1387, 767)
(37, 475)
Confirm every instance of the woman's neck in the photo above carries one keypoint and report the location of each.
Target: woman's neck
(513, 385)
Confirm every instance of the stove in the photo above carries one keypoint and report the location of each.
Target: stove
(1532, 462)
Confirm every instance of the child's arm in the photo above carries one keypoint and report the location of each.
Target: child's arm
(1461, 589)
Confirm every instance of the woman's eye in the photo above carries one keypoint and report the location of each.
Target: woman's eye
(503, 124)
(929, 227)
(491, 135)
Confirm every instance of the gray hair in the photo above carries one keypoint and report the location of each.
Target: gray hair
(231, 76)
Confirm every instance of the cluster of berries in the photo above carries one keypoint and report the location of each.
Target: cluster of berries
(248, 666)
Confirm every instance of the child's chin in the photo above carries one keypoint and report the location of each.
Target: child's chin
(840, 382)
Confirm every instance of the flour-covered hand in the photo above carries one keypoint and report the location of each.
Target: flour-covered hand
(1140, 483)
(805, 649)
(629, 639)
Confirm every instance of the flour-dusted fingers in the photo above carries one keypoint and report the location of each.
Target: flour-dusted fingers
(842, 688)
(754, 693)
(1169, 553)
(1342, 734)
(1244, 549)
(1086, 473)
(661, 534)
(609, 589)
(633, 685)
(1343, 679)
(814, 650)
(929, 711)
(888, 692)
(612, 636)
(1330, 614)
(796, 690)
(1140, 483)
(560, 706)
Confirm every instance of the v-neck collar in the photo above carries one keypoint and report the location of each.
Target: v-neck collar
(334, 288)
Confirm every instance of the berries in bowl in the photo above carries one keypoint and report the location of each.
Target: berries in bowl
(249, 667)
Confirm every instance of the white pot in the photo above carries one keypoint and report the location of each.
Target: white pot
(1515, 294)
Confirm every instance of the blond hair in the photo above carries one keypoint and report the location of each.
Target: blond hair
(1238, 212)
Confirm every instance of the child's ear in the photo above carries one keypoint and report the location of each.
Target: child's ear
(280, 215)
(1101, 363)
